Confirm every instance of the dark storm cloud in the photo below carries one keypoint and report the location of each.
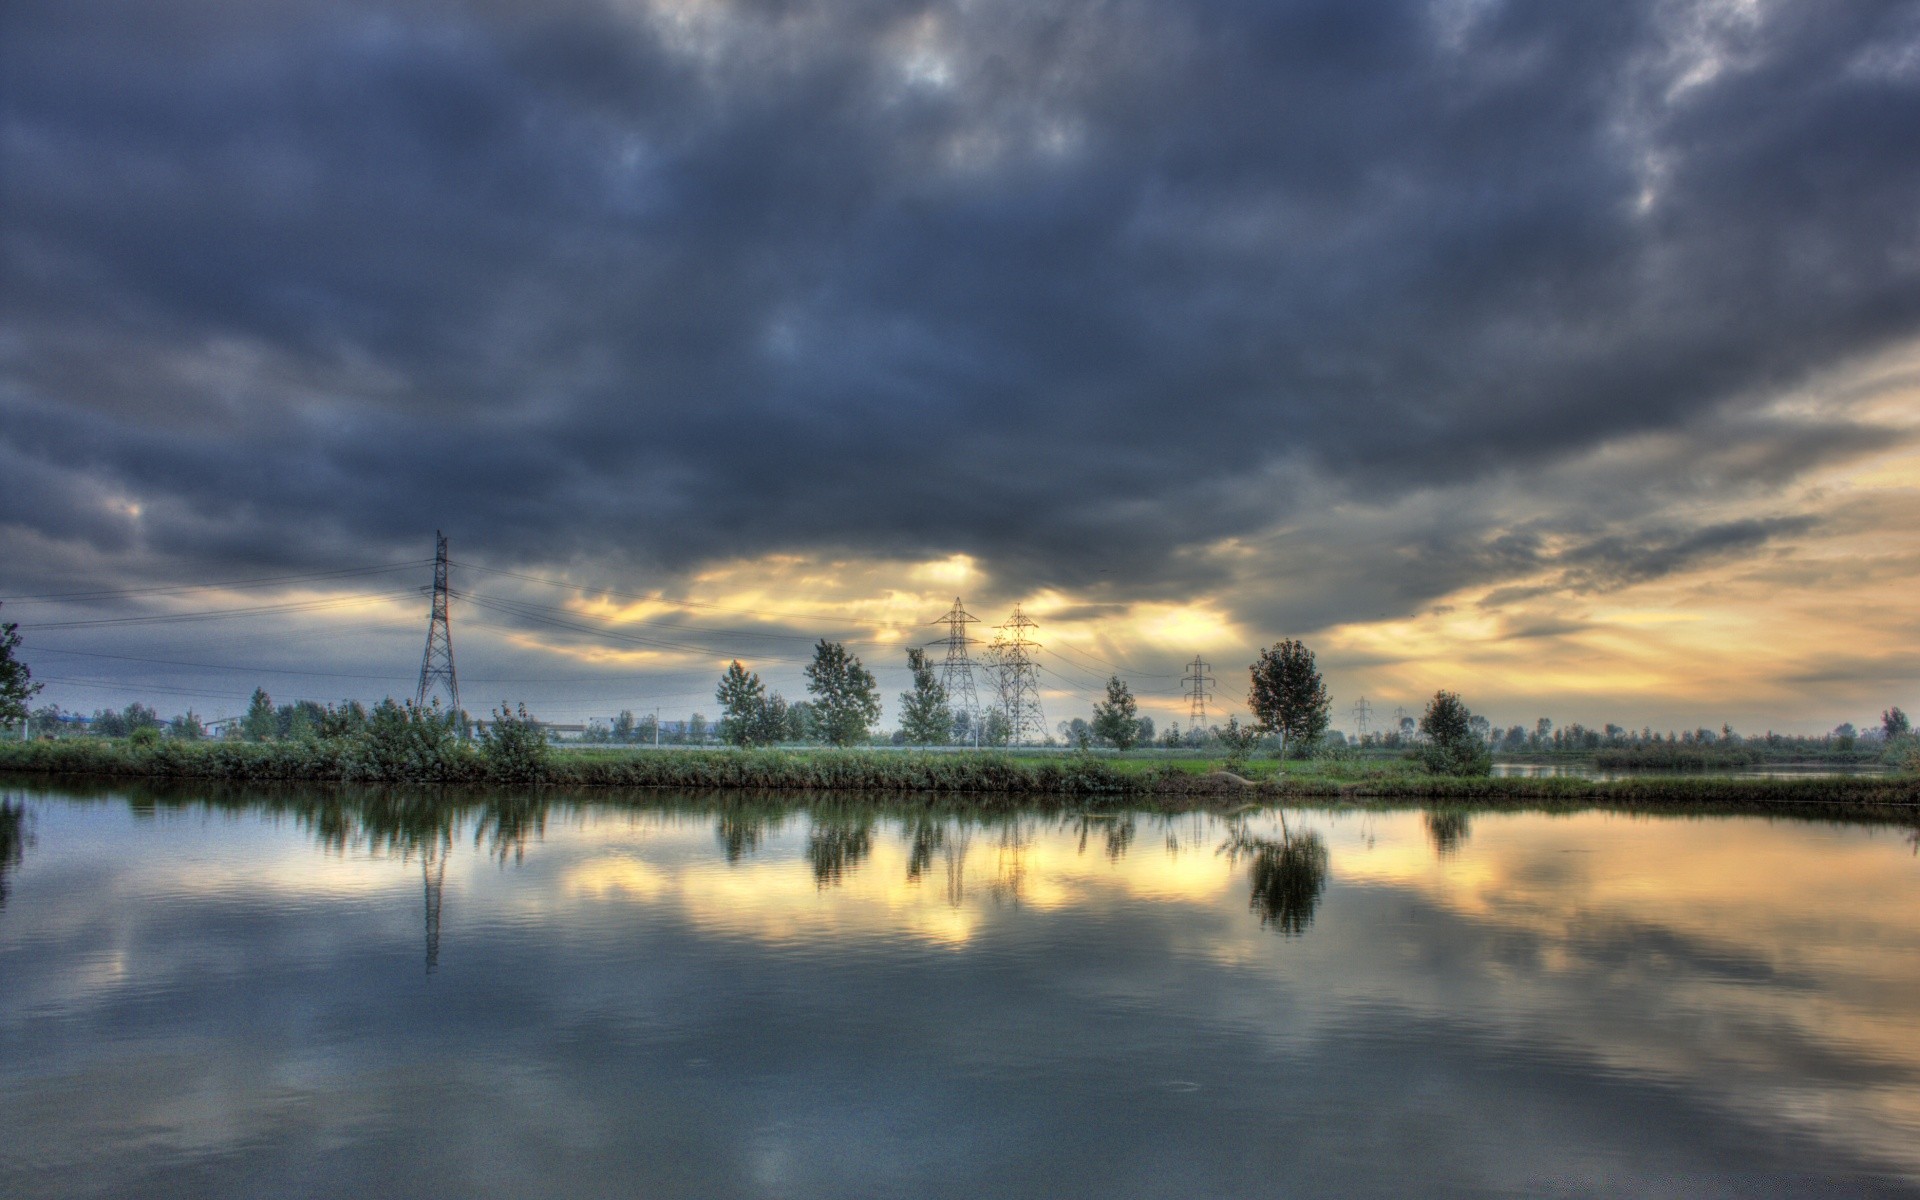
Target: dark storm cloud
(1065, 286)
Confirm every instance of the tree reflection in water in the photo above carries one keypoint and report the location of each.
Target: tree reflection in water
(1448, 827)
(924, 836)
(1119, 831)
(837, 846)
(1288, 876)
(739, 834)
(15, 837)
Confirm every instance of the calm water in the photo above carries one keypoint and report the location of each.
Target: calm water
(1521, 770)
(323, 994)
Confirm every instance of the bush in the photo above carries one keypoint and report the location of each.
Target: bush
(146, 737)
(405, 743)
(514, 747)
(1467, 757)
(1452, 748)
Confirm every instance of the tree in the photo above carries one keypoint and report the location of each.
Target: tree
(622, 730)
(1288, 697)
(1117, 721)
(261, 722)
(1239, 742)
(1893, 722)
(800, 722)
(995, 729)
(187, 727)
(770, 725)
(742, 699)
(926, 719)
(845, 698)
(16, 679)
(1453, 747)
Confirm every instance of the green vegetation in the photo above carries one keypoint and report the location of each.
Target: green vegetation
(846, 699)
(1117, 721)
(749, 716)
(16, 680)
(926, 719)
(403, 743)
(1452, 747)
(1288, 697)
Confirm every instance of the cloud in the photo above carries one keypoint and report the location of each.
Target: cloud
(1098, 296)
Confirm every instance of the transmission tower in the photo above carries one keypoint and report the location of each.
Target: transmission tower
(436, 665)
(956, 674)
(1019, 673)
(1199, 681)
(1361, 712)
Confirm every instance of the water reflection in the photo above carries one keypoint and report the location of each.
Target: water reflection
(687, 995)
(740, 833)
(1288, 875)
(15, 837)
(1448, 827)
(433, 879)
(836, 846)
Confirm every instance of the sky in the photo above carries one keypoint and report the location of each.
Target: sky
(1566, 356)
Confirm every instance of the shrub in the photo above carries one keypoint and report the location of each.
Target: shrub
(405, 743)
(1452, 748)
(515, 746)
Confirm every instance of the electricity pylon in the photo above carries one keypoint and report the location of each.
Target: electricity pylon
(956, 673)
(1019, 673)
(1361, 711)
(1199, 681)
(436, 665)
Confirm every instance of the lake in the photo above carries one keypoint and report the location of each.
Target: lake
(293, 993)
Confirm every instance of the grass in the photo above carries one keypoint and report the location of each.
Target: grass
(1172, 781)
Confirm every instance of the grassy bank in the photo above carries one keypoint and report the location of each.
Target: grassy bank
(843, 771)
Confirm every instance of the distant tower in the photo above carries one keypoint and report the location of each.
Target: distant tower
(1199, 681)
(956, 674)
(1361, 712)
(1019, 673)
(436, 665)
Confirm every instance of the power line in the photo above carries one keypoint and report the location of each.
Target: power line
(257, 581)
(658, 599)
(257, 610)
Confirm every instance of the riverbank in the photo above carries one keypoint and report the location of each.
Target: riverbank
(1172, 783)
